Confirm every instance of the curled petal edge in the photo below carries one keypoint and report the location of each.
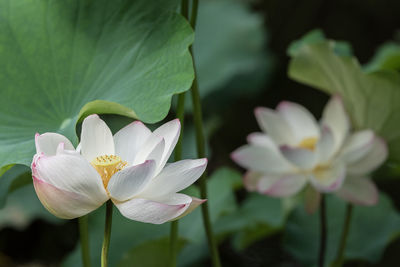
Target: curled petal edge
(193, 205)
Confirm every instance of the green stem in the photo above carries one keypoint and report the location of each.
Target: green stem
(342, 245)
(185, 8)
(180, 115)
(84, 237)
(201, 152)
(212, 244)
(193, 15)
(323, 232)
(173, 242)
(200, 140)
(107, 234)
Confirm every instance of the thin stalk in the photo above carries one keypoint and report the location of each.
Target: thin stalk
(342, 245)
(84, 238)
(193, 15)
(185, 8)
(173, 242)
(107, 234)
(201, 152)
(180, 115)
(200, 140)
(323, 232)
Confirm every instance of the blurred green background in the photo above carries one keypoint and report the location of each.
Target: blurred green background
(241, 54)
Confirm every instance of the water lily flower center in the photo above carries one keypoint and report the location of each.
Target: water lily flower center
(308, 143)
(107, 166)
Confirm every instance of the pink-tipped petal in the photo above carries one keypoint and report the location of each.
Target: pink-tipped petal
(130, 181)
(372, 160)
(193, 205)
(357, 146)
(96, 138)
(70, 172)
(328, 178)
(359, 190)
(63, 204)
(336, 118)
(312, 199)
(300, 120)
(304, 159)
(274, 125)
(130, 139)
(175, 177)
(47, 143)
(281, 186)
(261, 159)
(156, 211)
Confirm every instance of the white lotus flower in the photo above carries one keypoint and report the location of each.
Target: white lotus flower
(129, 168)
(294, 150)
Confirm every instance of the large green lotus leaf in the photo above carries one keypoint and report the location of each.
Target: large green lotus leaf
(371, 229)
(62, 60)
(372, 99)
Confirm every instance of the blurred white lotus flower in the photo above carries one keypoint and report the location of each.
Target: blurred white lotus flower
(294, 150)
(129, 168)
